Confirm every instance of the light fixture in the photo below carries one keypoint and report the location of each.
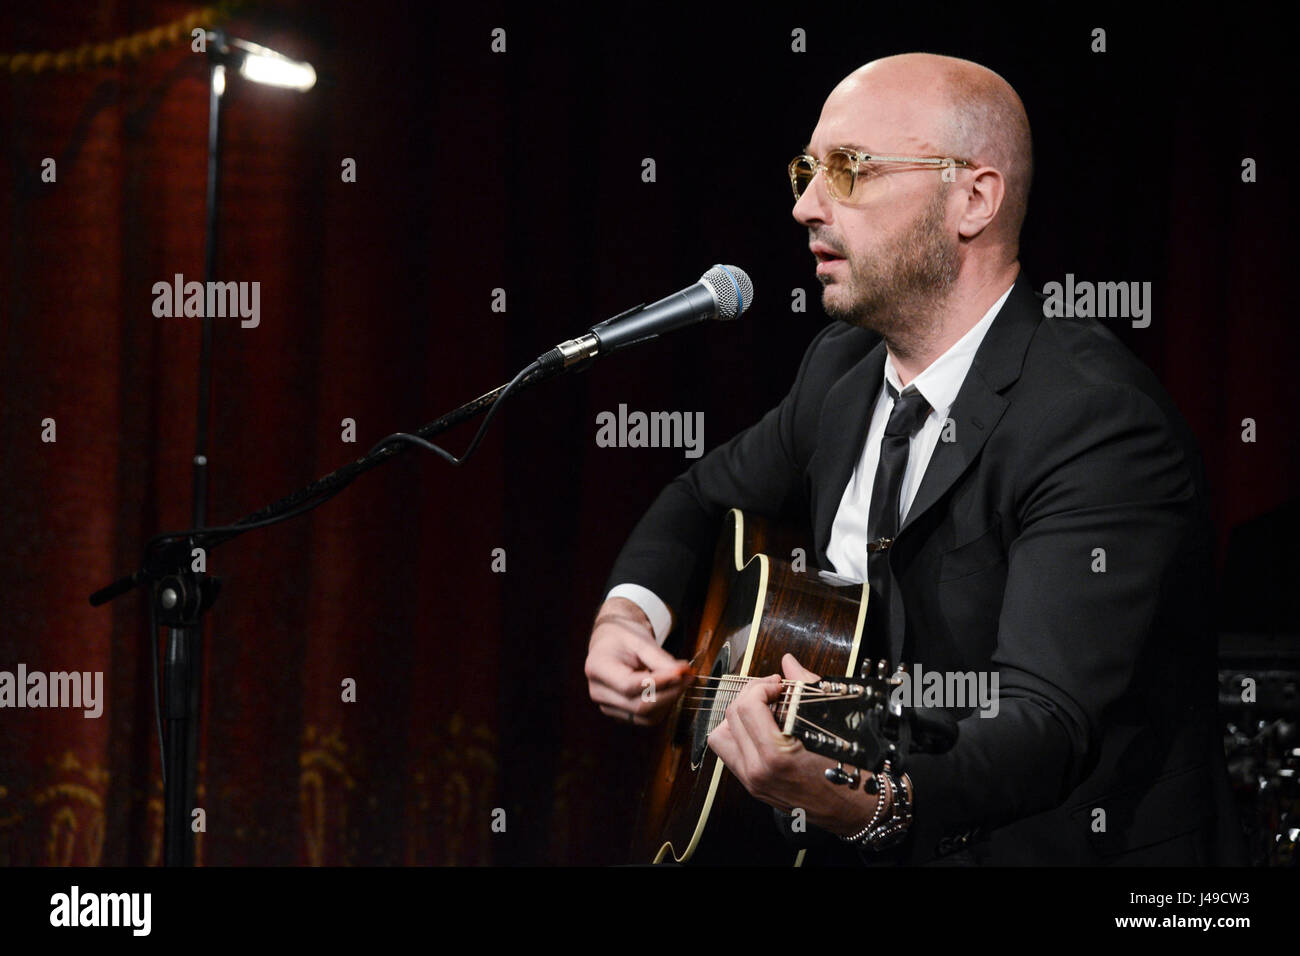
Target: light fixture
(263, 65)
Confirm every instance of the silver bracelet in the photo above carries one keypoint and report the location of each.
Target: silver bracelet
(894, 830)
(861, 835)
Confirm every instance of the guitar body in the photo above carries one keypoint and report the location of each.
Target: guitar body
(757, 609)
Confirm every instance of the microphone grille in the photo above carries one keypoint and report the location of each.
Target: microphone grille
(731, 288)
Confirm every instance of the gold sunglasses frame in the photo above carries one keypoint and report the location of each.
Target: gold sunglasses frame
(858, 158)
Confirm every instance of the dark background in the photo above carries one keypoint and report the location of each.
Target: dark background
(520, 171)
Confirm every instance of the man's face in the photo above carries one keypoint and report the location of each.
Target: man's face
(887, 257)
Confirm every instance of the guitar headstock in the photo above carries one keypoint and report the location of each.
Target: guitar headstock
(846, 720)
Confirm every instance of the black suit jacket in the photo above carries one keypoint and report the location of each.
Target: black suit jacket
(1067, 453)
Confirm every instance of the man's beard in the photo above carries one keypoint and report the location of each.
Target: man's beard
(896, 290)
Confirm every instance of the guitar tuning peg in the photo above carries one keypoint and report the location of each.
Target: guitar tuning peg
(841, 778)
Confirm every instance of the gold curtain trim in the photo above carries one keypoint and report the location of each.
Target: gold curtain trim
(91, 56)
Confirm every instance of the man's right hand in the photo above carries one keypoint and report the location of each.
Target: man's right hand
(629, 675)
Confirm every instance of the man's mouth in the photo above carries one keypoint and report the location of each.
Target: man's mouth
(826, 258)
(824, 255)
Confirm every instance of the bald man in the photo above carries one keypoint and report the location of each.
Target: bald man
(1018, 490)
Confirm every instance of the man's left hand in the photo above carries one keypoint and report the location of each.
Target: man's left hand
(777, 769)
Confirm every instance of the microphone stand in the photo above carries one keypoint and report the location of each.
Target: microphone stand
(180, 604)
(184, 655)
(179, 597)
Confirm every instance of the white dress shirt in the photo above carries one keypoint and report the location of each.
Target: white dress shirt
(939, 384)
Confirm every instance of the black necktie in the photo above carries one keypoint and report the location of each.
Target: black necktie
(905, 419)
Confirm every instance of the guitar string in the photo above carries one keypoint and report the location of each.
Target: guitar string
(725, 695)
(810, 693)
(817, 727)
(738, 679)
(703, 704)
(696, 708)
(715, 721)
(707, 698)
(727, 690)
(751, 677)
(780, 709)
(726, 685)
(780, 717)
(706, 703)
(731, 695)
(736, 684)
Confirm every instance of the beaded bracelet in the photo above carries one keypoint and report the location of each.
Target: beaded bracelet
(893, 830)
(882, 802)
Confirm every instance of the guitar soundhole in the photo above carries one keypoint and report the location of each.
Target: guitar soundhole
(712, 706)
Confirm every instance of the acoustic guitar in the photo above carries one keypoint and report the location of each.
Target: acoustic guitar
(757, 608)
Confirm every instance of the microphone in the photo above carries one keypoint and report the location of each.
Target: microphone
(724, 292)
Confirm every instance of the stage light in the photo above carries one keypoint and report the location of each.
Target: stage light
(263, 65)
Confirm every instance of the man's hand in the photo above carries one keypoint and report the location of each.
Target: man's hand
(628, 674)
(777, 769)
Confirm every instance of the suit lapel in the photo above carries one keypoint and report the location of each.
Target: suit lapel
(846, 415)
(979, 405)
(973, 415)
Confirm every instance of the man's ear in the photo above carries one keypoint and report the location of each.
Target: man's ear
(984, 192)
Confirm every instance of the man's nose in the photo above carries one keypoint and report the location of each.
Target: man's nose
(813, 205)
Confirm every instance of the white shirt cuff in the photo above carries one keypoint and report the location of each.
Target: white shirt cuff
(661, 618)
